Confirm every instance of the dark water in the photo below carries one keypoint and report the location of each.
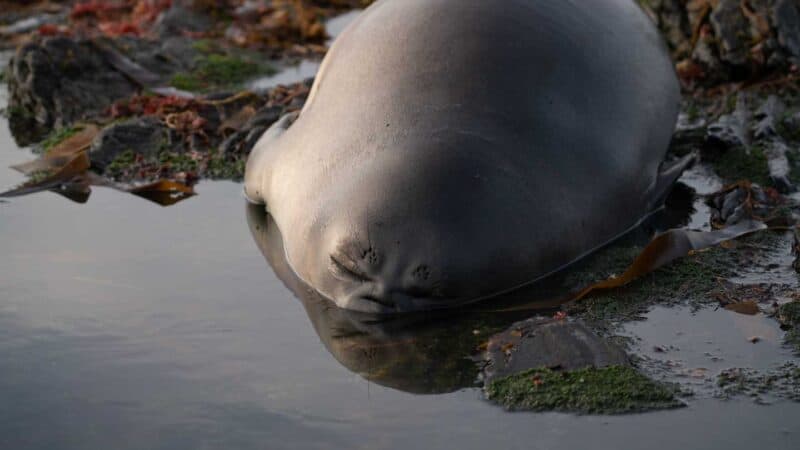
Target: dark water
(124, 325)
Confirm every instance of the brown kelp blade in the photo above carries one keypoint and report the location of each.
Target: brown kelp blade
(670, 246)
(63, 175)
(662, 250)
(747, 307)
(69, 176)
(61, 154)
(78, 142)
(163, 192)
(43, 164)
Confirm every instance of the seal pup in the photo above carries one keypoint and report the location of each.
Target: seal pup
(454, 150)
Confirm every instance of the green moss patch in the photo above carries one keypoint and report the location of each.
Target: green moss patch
(740, 164)
(609, 390)
(213, 71)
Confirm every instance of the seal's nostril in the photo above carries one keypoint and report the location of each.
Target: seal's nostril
(370, 256)
(422, 273)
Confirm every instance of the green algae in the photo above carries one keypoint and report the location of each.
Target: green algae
(212, 164)
(781, 382)
(608, 390)
(177, 162)
(121, 163)
(206, 46)
(215, 71)
(739, 163)
(228, 167)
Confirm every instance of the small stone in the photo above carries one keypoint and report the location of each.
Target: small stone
(549, 343)
(143, 136)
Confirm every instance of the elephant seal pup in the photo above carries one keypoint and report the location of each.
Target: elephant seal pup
(453, 150)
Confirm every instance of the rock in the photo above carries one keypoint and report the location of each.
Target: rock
(786, 17)
(249, 11)
(144, 136)
(265, 117)
(731, 130)
(548, 343)
(24, 25)
(670, 16)
(779, 166)
(734, 41)
(732, 31)
(167, 56)
(768, 117)
(705, 53)
(56, 81)
(242, 141)
(179, 19)
(766, 130)
(743, 202)
(792, 122)
(796, 250)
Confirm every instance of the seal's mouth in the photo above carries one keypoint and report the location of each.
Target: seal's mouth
(362, 292)
(397, 303)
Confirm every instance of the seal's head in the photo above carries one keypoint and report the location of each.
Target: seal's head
(416, 243)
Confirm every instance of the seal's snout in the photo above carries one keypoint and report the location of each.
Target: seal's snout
(367, 280)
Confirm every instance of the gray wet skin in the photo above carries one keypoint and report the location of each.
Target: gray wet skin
(452, 150)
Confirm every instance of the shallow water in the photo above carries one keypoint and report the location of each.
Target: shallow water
(692, 347)
(125, 325)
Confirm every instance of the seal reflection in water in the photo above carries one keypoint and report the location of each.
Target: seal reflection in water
(454, 150)
(412, 353)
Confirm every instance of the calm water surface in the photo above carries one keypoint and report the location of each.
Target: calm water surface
(124, 325)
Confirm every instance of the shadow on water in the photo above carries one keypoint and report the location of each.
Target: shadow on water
(433, 352)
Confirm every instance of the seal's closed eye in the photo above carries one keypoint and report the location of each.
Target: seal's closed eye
(341, 270)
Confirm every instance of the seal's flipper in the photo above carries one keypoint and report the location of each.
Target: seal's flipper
(258, 161)
(668, 174)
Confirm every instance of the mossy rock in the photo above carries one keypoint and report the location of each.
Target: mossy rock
(608, 390)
